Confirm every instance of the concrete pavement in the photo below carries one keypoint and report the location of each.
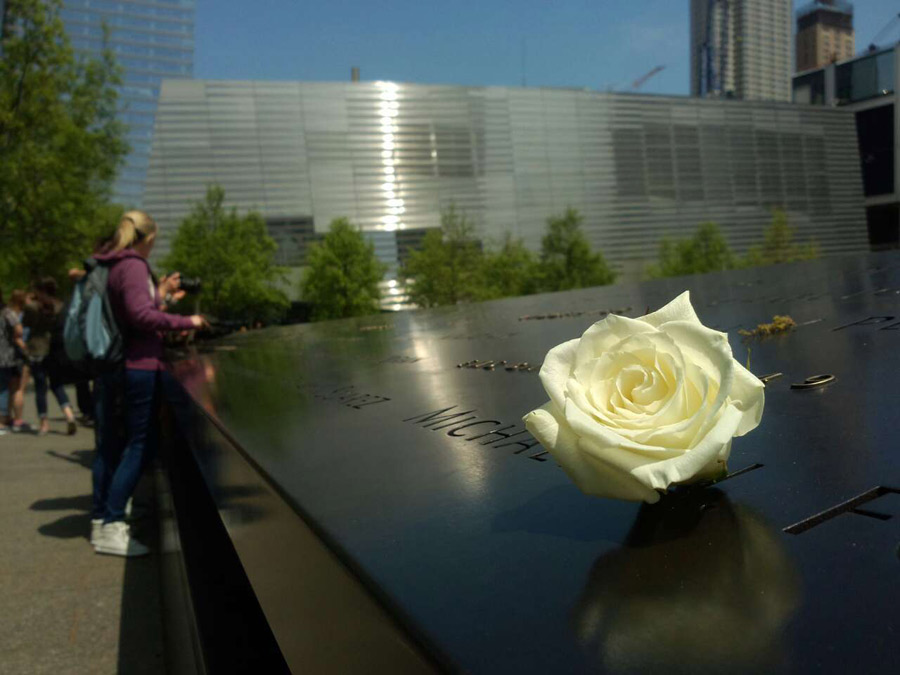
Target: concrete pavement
(63, 608)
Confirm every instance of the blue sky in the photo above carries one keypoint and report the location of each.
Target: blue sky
(582, 43)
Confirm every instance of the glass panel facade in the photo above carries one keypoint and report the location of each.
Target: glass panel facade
(875, 130)
(865, 78)
(151, 41)
(810, 89)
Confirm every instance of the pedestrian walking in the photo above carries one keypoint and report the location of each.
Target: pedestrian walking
(12, 363)
(43, 318)
(136, 300)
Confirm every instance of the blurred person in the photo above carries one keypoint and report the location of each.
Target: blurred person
(4, 375)
(84, 395)
(43, 318)
(135, 388)
(12, 363)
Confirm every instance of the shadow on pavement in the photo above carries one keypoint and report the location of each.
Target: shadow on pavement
(84, 458)
(141, 647)
(79, 503)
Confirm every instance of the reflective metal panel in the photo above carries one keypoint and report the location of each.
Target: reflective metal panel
(392, 156)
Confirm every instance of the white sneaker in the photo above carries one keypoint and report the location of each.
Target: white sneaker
(96, 527)
(115, 539)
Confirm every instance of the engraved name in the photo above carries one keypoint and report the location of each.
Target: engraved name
(350, 397)
(470, 428)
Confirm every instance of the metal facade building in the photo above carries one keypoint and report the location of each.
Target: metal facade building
(391, 156)
(151, 40)
(741, 49)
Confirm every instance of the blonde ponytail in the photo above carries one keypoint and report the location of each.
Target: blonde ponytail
(134, 227)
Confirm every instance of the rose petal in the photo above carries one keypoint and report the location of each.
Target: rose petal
(591, 476)
(747, 395)
(587, 428)
(709, 350)
(699, 460)
(680, 309)
(556, 369)
(604, 335)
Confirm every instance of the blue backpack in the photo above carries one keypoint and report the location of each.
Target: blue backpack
(92, 339)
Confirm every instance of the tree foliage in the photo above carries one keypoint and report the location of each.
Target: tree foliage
(60, 144)
(447, 269)
(567, 260)
(510, 271)
(706, 251)
(343, 274)
(779, 246)
(233, 256)
(451, 266)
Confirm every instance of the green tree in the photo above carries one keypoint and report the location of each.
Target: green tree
(447, 269)
(233, 256)
(779, 246)
(510, 271)
(706, 251)
(567, 260)
(343, 274)
(60, 143)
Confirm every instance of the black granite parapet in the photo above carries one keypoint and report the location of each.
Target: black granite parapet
(381, 535)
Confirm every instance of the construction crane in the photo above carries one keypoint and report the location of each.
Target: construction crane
(638, 83)
(884, 31)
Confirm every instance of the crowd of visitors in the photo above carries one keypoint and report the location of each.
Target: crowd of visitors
(120, 400)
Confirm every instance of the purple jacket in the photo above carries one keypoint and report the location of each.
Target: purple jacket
(135, 302)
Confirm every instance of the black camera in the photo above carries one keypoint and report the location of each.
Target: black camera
(191, 285)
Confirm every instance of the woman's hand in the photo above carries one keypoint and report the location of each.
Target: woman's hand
(199, 321)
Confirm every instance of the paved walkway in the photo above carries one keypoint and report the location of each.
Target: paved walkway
(63, 608)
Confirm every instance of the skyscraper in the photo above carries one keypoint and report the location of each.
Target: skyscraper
(824, 34)
(741, 49)
(151, 41)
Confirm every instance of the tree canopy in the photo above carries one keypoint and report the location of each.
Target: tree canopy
(779, 246)
(60, 144)
(447, 269)
(509, 271)
(451, 266)
(706, 251)
(233, 256)
(567, 260)
(343, 274)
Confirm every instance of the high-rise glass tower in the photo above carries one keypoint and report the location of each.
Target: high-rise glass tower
(741, 49)
(151, 41)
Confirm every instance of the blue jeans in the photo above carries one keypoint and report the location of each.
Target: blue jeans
(84, 398)
(118, 465)
(109, 435)
(41, 377)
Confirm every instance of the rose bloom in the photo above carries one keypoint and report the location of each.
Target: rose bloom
(637, 405)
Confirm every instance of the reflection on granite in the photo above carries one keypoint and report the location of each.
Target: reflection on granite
(700, 585)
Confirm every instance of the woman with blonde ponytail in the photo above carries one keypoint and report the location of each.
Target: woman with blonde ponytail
(135, 301)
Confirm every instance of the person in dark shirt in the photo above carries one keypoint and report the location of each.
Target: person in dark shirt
(12, 363)
(43, 317)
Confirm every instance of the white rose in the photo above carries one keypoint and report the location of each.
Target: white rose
(637, 405)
